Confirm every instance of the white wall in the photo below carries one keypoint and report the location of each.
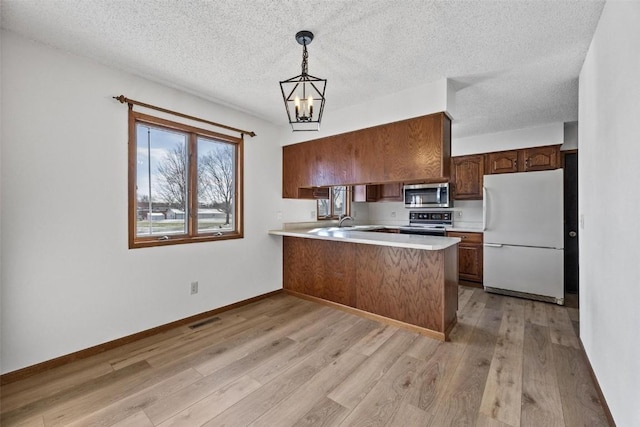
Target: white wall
(609, 128)
(570, 136)
(537, 136)
(1, 139)
(69, 280)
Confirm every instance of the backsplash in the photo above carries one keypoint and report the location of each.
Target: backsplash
(466, 213)
(387, 213)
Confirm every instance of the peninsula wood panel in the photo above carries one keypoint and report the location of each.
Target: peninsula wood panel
(320, 268)
(413, 286)
(402, 284)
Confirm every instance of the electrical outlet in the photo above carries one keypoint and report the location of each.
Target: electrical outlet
(194, 288)
(393, 214)
(312, 214)
(459, 214)
(279, 215)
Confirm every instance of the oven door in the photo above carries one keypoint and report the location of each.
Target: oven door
(423, 231)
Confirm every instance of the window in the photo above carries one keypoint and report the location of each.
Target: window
(185, 183)
(337, 205)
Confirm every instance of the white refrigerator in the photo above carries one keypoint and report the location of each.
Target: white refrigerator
(523, 220)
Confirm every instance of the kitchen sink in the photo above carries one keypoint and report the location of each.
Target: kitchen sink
(351, 228)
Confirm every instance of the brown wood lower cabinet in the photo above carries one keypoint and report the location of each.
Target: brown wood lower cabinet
(469, 255)
(413, 286)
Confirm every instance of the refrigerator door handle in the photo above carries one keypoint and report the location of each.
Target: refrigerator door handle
(484, 208)
(493, 245)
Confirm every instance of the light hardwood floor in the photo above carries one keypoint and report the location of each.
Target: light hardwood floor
(284, 361)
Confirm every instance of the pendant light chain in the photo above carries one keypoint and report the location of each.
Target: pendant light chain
(305, 57)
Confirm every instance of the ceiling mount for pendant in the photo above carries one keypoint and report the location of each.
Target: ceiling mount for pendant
(304, 37)
(301, 92)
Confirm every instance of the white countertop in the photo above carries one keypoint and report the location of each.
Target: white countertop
(353, 235)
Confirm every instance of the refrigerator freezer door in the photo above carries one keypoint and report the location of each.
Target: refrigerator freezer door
(524, 209)
(535, 271)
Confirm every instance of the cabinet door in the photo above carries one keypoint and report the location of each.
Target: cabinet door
(470, 262)
(365, 193)
(378, 193)
(466, 174)
(417, 149)
(390, 192)
(293, 167)
(368, 155)
(541, 158)
(470, 259)
(503, 162)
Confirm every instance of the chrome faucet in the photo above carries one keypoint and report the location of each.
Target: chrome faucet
(344, 218)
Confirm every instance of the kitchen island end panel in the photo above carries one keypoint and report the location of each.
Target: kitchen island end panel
(412, 286)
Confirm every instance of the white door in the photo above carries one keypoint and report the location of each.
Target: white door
(537, 271)
(524, 209)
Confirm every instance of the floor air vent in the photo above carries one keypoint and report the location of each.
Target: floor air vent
(204, 322)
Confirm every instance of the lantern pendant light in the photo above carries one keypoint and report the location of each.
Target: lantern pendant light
(303, 95)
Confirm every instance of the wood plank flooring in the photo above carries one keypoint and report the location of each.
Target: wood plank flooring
(284, 361)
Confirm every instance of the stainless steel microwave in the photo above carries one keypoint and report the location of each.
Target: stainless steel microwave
(427, 196)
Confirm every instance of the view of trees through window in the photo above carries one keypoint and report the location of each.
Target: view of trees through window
(164, 186)
(336, 205)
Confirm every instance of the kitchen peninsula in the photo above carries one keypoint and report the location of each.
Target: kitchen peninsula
(406, 280)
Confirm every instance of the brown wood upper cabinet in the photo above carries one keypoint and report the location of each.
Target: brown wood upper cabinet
(466, 176)
(503, 162)
(541, 158)
(525, 160)
(378, 193)
(413, 150)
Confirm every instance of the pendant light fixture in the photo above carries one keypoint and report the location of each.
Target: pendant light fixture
(304, 94)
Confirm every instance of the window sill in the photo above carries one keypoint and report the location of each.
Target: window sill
(179, 240)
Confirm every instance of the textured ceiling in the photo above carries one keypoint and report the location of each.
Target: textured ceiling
(513, 63)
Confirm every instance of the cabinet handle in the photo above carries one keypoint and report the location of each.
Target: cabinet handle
(463, 237)
(526, 164)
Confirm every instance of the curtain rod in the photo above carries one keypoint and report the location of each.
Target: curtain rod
(123, 100)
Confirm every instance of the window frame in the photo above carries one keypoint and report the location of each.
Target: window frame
(333, 216)
(192, 235)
